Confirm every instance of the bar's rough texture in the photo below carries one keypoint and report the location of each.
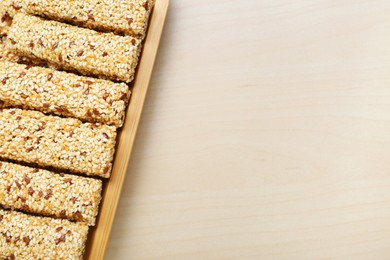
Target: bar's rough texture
(126, 17)
(24, 236)
(8, 8)
(65, 94)
(12, 7)
(5, 19)
(62, 143)
(50, 194)
(72, 48)
(6, 54)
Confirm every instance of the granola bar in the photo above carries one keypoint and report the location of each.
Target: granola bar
(126, 17)
(51, 141)
(72, 48)
(6, 54)
(24, 236)
(46, 193)
(62, 93)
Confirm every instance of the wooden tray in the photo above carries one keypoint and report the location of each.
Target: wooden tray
(98, 237)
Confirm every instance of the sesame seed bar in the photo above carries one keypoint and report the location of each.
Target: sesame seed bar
(51, 141)
(24, 236)
(12, 7)
(72, 48)
(62, 93)
(5, 20)
(8, 8)
(126, 17)
(6, 54)
(49, 194)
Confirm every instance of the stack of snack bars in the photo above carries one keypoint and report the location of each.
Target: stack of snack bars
(64, 74)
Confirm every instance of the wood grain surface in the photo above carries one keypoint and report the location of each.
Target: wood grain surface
(265, 135)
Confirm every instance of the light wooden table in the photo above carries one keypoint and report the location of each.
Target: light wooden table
(265, 135)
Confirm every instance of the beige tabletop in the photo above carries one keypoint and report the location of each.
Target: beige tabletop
(265, 135)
